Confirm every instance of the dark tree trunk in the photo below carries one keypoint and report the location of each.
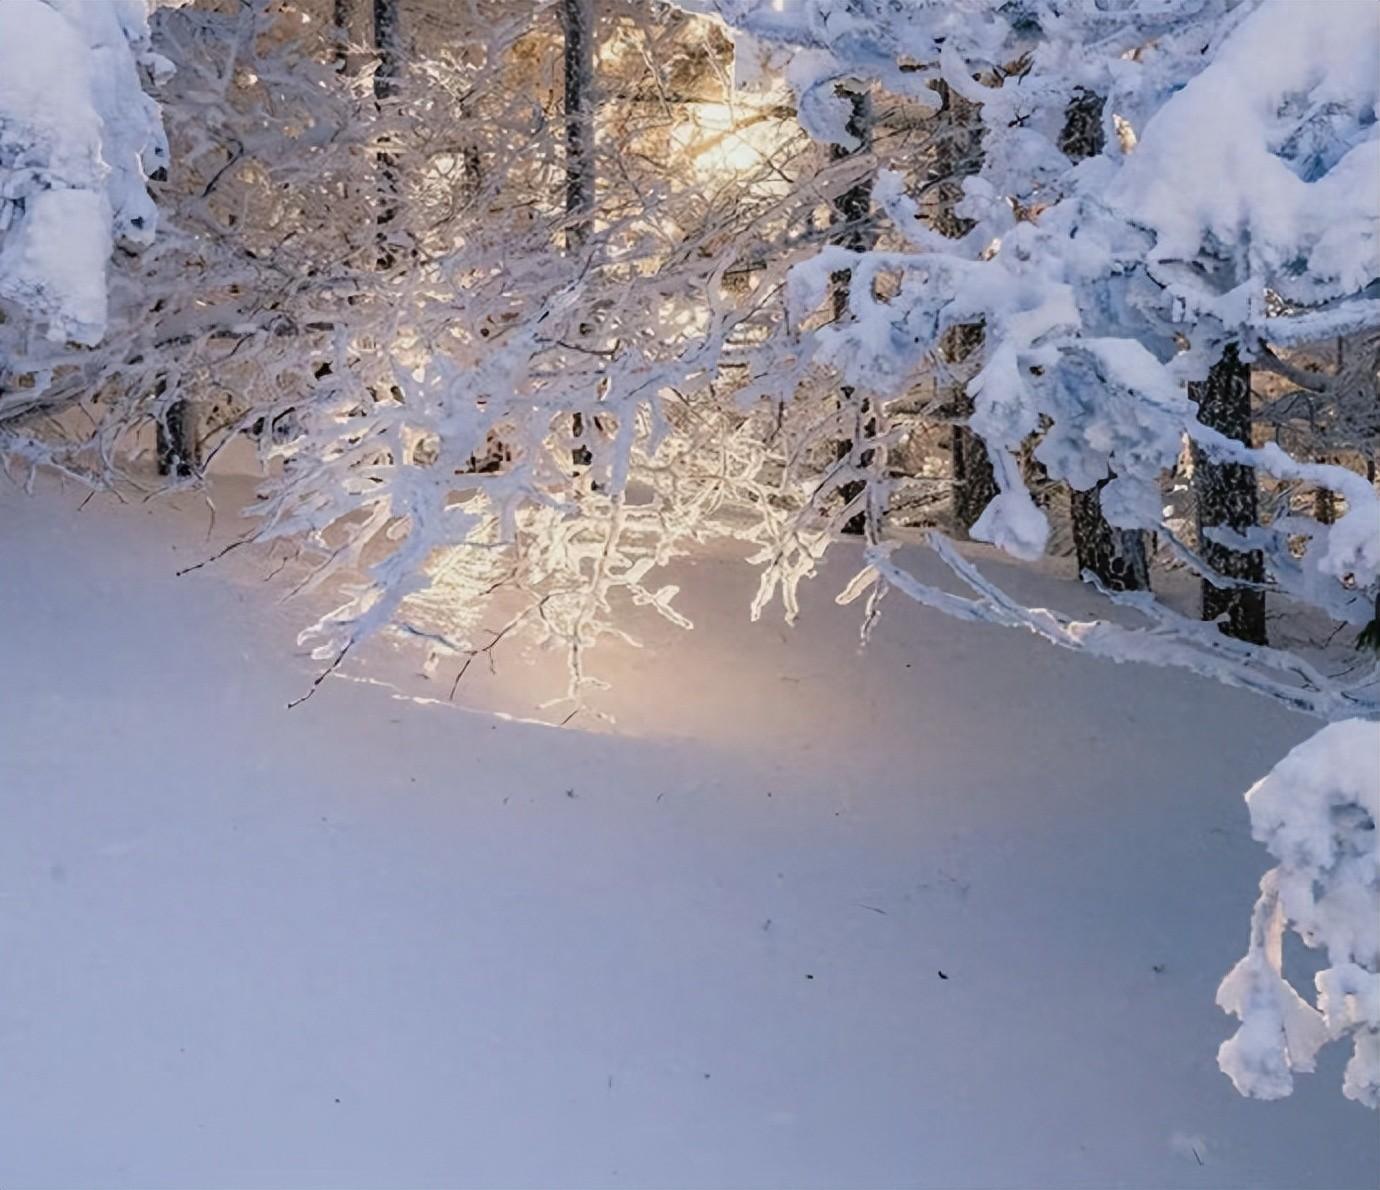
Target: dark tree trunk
(975, 482)
(1324, 502)
(471, 167)
(177, 446)
(577, 27)
(340, 13)
(851, 211)
(577, 22)
(1082, 136)
(958, 153)
(387, 82)
(1116, 557)
(1324, 507)
(1225, 496)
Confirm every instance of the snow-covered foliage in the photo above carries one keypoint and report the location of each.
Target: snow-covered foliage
(491, 408)
(78, 137)
(450, 373)
(373, 265)
(534, 425)
(1317, 813)
(1107, 286)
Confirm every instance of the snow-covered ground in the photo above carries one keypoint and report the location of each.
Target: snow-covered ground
(949, 912)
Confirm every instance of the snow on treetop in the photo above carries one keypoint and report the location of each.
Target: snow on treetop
(1284, 123)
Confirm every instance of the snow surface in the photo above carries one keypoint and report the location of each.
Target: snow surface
(381, 942)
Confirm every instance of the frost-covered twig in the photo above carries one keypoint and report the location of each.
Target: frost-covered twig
(1171, 641)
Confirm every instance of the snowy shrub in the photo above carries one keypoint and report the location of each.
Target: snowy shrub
(1317, 813)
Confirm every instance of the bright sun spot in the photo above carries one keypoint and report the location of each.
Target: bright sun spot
(719, 141)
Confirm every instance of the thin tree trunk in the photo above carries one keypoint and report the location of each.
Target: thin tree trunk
(577, 26)
(1116, 557)
(1324, 500)
(958, 153)
(387, 80)
(340, 14)
(471, 165)
(1225, 496)
(577, 22)
(851, 210)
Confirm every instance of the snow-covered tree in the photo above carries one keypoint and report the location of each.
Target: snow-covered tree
(1230, 217)
(450, 391)
(78, 139)
(1117, 558)
(1106, 288)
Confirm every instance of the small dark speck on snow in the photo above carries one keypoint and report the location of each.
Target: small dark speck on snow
(942, 975)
